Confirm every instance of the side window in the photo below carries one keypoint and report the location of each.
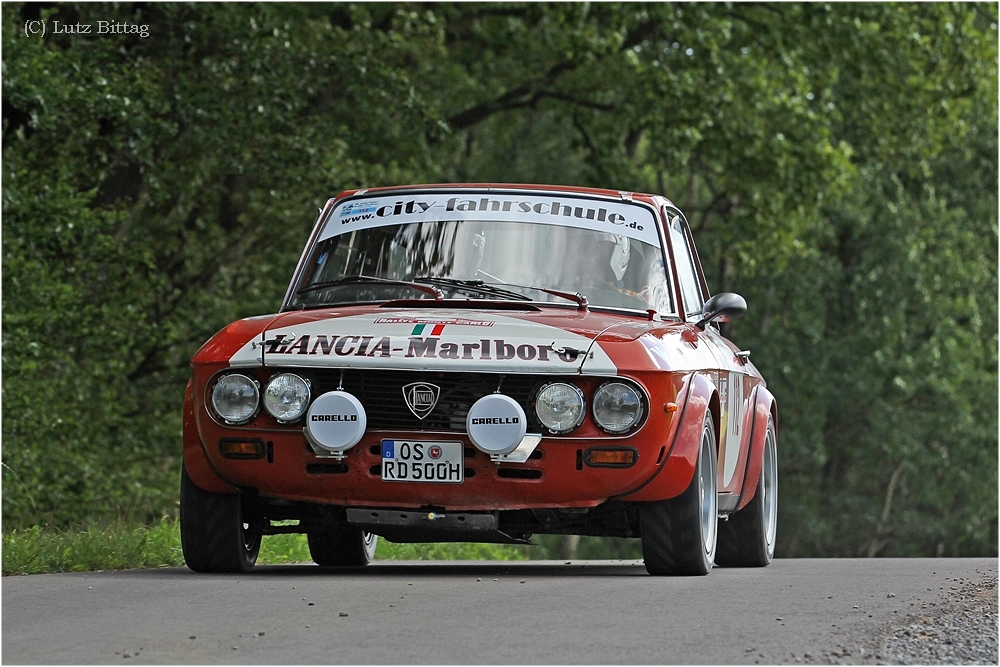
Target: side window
(686, 274)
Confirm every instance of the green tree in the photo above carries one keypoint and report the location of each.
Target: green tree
(834, 161)
(153, 191)
(837, 163)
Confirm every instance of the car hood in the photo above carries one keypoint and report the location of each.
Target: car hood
(552, 340)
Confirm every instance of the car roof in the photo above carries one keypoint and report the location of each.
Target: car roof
(501, 187)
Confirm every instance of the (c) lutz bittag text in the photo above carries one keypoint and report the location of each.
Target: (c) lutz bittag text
(41, 27)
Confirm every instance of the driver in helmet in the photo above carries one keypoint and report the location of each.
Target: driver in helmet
(603, 262)
(600, 274)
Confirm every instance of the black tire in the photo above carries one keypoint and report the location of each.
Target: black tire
(747, 538)
(219, 532)
(343, 547)
(679, 534)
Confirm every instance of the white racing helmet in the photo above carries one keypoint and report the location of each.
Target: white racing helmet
(621, 253)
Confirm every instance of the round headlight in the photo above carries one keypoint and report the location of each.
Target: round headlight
(617, 407)
(560, 407)
(235, 398)
(286, 397)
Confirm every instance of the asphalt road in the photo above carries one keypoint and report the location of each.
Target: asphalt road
(542, 612)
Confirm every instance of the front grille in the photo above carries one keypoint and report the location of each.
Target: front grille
(381, 394)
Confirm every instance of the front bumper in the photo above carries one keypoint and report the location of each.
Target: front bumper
(556, 475)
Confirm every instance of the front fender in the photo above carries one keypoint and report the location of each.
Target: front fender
(198, 467)
(765, 407)
(675, 473)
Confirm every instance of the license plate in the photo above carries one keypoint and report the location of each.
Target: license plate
(414, 461)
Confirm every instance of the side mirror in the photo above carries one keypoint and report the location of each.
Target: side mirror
(724, 307)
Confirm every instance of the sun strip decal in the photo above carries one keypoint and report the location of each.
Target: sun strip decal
(602, 215)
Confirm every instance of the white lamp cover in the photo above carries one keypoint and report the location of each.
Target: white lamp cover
(496, 424)
(335, 421)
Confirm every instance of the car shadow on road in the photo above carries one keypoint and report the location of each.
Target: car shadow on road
(435, 569)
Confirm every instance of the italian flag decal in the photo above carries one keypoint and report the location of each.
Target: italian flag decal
(419, 330)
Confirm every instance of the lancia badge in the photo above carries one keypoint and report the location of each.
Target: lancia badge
(421, 398)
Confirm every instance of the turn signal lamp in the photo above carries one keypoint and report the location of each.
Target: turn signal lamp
(611, 457)
(241, 449)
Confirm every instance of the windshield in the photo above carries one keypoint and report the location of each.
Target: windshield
(482, 251)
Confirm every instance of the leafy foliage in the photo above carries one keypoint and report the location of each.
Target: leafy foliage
(837, 163)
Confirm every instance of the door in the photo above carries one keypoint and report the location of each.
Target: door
(728, 372)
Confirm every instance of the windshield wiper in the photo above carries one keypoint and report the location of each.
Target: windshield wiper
(473, 285)
(363, 280)
(581, 300)
(426, 285)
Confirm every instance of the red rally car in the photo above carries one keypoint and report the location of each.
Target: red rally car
(482, 363)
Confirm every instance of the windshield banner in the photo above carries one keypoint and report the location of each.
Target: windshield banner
(632, 220)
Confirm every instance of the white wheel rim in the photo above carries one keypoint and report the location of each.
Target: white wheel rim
(370, 541)
(248, 531)
(770, 489)
(707, 494)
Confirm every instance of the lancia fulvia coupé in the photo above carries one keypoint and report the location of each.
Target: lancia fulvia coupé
(483, 363)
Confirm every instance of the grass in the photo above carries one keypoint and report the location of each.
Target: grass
(121, 546)
(114, 547)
